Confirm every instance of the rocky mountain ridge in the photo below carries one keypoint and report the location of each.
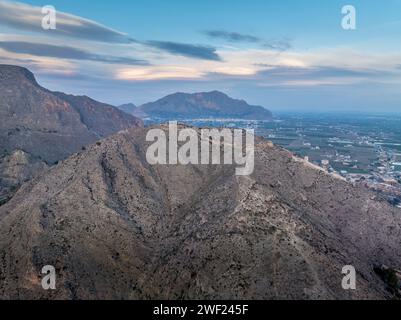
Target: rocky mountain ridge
(116, 227)
(49, 126)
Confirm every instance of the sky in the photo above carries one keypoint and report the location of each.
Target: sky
(285, 55)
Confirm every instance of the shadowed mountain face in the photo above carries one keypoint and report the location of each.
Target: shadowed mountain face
(115, 227)
(48, 126)
(213, 104)
(100, 118)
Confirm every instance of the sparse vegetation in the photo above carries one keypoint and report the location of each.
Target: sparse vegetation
(3, 201)
(390, 278)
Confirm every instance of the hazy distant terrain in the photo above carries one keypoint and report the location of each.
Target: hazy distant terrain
(128, 108)
(213, 104)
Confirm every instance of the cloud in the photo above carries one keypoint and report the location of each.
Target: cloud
(231, 36)
(317, 76)
(276, 45)
(263, 66)
(29, 18)
(64, 52)
(158, 73)
(298, 76)
(318, 72)
(186, 50)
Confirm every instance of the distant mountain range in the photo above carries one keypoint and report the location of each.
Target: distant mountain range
(213, 104)
(38, 125)
(128, 108)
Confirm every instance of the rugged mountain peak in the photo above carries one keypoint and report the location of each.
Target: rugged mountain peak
(200, 95)
(51, 126)
(11, 74)
(212, 95)
(203, 105)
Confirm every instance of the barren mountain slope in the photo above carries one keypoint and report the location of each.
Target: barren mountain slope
(15, 169)
(48, 126)
(115, 227)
